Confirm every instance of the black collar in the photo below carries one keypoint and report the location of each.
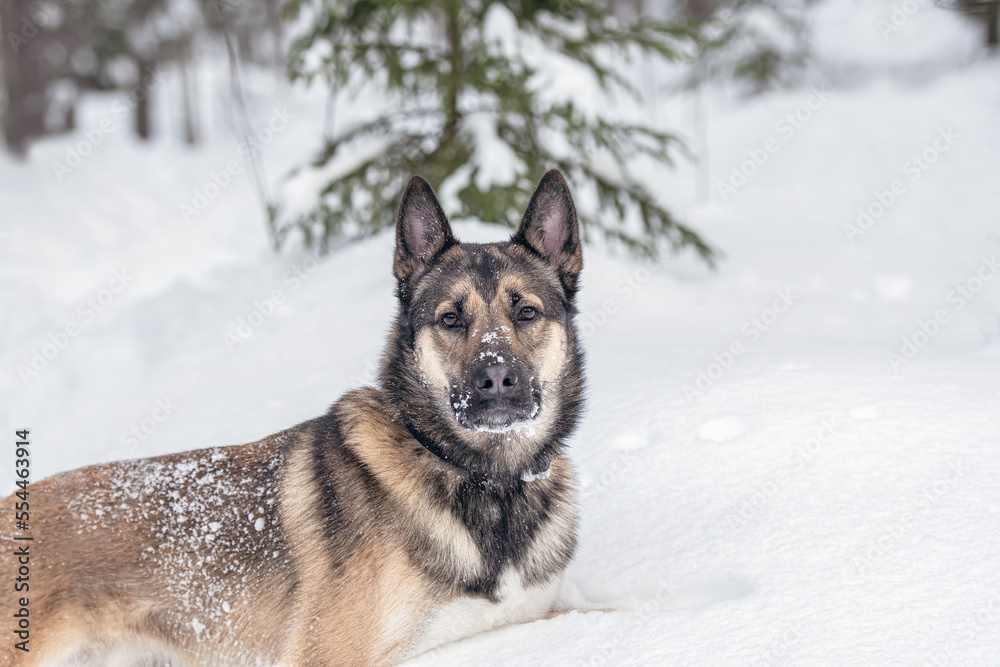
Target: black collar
(539, 468)
(432, 446)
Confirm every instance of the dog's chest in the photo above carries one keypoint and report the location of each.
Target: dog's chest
(465, 616)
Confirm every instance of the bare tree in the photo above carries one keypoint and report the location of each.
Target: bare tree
(24, 73)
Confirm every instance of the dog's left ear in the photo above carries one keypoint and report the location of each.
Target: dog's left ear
(550, 228)
(422, 231)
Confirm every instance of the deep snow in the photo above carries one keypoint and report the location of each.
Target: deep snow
(760, 481)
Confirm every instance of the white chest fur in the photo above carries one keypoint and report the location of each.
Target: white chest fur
(467, 616)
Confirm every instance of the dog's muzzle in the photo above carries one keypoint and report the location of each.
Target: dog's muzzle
(496, 398)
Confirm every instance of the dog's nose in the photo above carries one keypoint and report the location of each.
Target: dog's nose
(495, 381)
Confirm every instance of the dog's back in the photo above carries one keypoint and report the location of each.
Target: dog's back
(147, 555)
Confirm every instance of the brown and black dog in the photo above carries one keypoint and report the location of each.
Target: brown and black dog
(431, 508)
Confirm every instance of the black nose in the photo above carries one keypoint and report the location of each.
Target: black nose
(495, 381)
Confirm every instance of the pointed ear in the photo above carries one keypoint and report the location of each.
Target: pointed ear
(422, 231)
(550, 228)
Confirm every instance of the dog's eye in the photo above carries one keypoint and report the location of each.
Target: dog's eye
(527, 313)
(450, 320)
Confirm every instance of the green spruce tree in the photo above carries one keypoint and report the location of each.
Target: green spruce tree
(470, 106)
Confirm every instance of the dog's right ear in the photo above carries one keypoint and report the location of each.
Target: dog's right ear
(422, 231)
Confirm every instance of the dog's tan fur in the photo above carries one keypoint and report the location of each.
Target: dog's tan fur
(346, 540)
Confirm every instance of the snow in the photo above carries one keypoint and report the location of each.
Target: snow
(494, 161)
(895, 34)
(865, 412)
(793, 459)
(500, 31)
(529, 476)
(720, 430)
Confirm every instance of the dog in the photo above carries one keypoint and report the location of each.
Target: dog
(436, 506)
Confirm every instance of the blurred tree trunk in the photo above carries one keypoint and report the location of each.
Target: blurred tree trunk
(987, 11)
(24, 75)
(143, 128)
(701, 10)
(189, 99)
(993, 24)
(454, 38)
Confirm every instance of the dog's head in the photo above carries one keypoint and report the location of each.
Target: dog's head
(484, 358)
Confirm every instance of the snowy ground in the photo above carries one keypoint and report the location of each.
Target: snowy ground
(761, 481)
